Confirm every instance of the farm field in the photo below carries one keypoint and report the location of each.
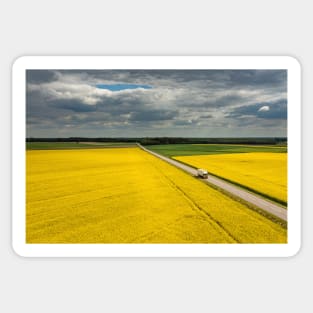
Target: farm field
(262, 172)
(74, 145)
(205, 149)
(125, 195)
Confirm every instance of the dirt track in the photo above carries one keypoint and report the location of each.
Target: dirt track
(252, 198)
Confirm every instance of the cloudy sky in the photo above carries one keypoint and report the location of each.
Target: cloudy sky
(146, 103)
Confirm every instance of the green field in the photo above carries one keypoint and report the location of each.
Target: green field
(75, 145)
(201, 149)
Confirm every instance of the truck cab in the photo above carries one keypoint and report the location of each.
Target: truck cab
(202, 173)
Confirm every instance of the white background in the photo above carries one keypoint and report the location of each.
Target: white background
(154, 28)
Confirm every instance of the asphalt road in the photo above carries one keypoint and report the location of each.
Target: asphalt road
(254, 199)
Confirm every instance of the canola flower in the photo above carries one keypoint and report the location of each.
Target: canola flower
(265, 173)
(125, 195)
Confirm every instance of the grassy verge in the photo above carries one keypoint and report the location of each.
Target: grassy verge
(202, 149)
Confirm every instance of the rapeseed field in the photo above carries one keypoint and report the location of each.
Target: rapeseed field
(125, 195)
(265, 173)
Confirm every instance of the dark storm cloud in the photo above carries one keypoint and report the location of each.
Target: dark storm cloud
(217, 102)
(74, 105)
(258, 78)
(195, 101)
(271, 110)
(216, 78)
(40, 76)
(39, 109)
(228, 78)
(152, 115)
(121, 104)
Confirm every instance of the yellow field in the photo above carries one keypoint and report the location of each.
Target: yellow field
(125, 195)
(263, 172)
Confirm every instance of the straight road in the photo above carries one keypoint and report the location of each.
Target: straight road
(254, 199)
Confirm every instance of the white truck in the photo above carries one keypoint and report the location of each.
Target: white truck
(202, 173)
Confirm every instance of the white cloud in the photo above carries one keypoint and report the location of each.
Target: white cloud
(264, 108)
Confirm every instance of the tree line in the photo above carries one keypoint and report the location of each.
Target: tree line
(170, 140)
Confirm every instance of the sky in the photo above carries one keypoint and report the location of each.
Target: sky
(152, 103)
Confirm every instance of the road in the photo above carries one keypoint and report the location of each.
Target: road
(247, 196)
